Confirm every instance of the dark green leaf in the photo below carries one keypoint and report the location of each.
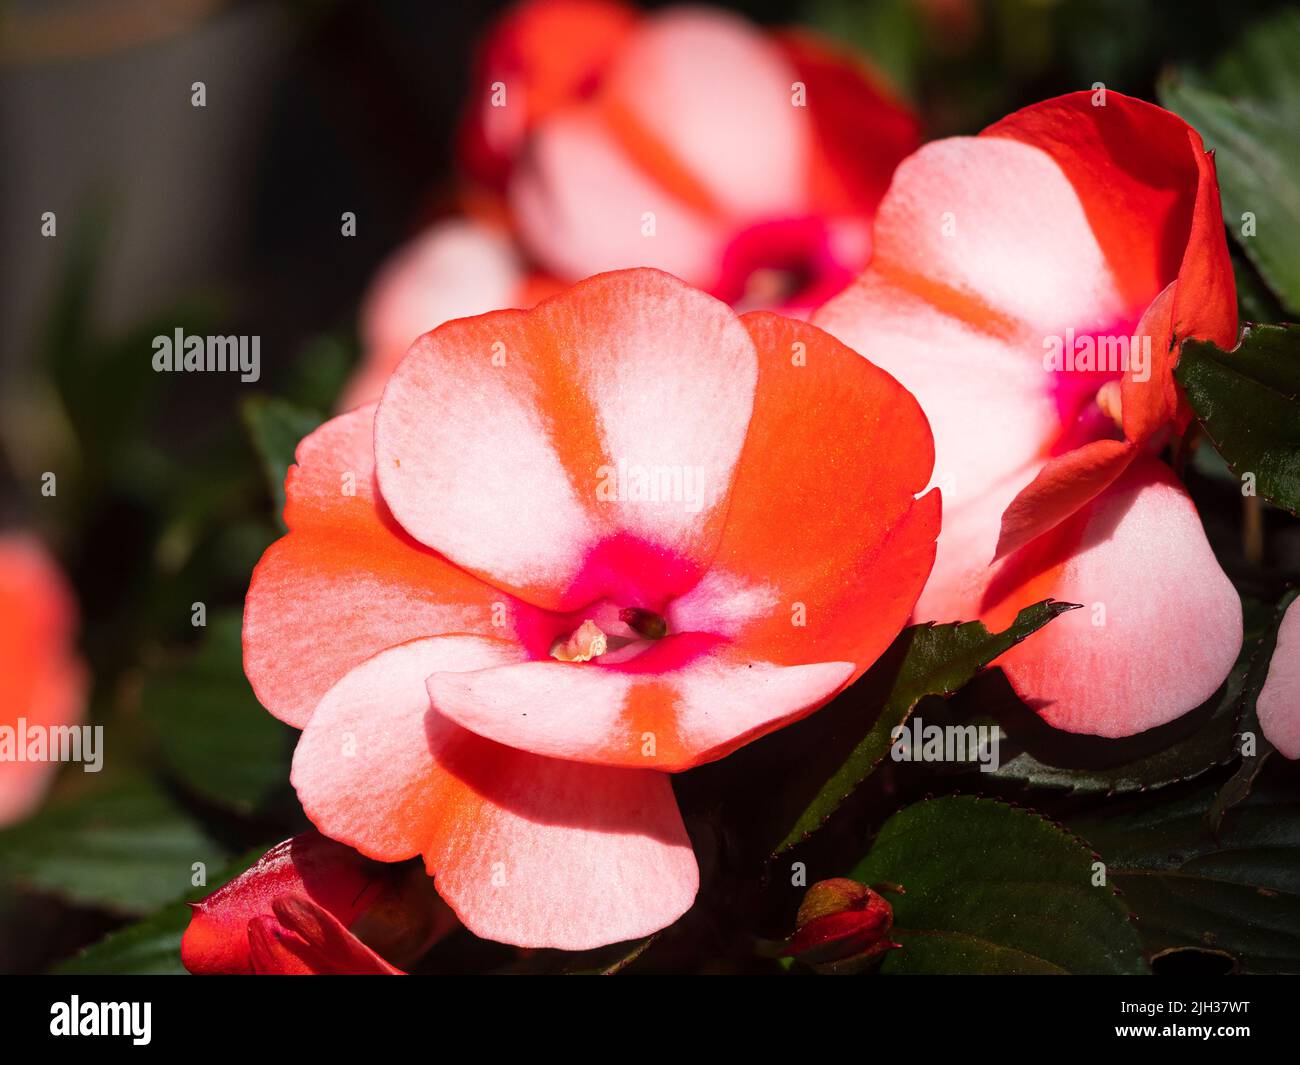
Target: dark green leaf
(923, 660)
(151, 946)
(276, 427)
(124, 846)
(211, 732)
(1245, 109)
(1239, 892)
(1248, 401)
(990, 888)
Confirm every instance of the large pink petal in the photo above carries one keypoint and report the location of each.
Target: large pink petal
(500, 439)
(955, 590)
(670, 719)
(982, 252)
(1161, 624)
(527, 850)
(346, 581)
(1278, 705)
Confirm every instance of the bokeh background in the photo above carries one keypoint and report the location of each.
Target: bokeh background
(226, 219)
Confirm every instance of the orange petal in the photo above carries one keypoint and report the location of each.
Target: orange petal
(861, 129)
(1062, 486)
(346, 582)
(501, 440)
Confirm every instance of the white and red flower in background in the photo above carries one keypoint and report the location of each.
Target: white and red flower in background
(747, 163)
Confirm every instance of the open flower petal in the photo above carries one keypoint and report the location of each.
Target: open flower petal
(346, 582)
(669, 720)
(1161, 624)
(524, 470)
(968, 281)
(1149, 190)
(704, 93)
(824, 517)
(581, 205)
(527, 850)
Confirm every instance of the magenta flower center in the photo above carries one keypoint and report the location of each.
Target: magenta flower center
(628, 590)
(790, 263)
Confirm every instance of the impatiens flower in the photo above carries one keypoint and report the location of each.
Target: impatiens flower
(42, 682)
(455, 269)
(747, 163)
(313, 906)
(1278, 705)
(570, 551)
(1031, 285)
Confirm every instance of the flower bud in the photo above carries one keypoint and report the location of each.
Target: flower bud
(843, 927)
(311, 905)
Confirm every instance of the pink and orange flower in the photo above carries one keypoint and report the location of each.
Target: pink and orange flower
(1078, 222)
(570, 552)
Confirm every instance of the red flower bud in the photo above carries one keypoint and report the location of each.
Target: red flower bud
(311, 905)
(843, 926)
